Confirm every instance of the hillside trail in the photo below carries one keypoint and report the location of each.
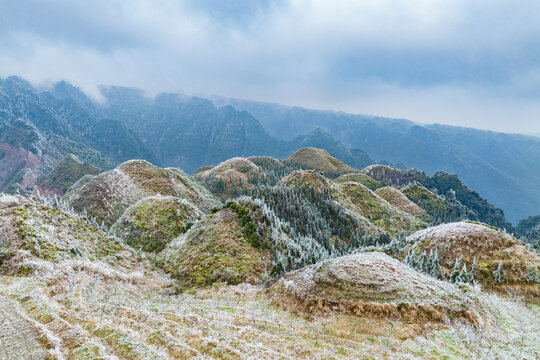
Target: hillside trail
(18, 338)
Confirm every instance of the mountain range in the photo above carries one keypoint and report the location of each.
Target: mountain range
(38, 127)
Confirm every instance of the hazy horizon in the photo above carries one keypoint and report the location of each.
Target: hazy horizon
(457, 63)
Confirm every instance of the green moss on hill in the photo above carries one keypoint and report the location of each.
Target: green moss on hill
(106, 196)
(216, 249)
(318, 159)
(377, 210)
(32, 230)
(151, 223)
(67, 172)
(363, 179)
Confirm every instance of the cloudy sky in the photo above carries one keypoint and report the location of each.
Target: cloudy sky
(465, 62)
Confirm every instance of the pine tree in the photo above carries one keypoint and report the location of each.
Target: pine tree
(464, 275)
(408, 258)
(455, 272)
(472, 275)
(436, 270)
(413, 261)
(422, 263)
(499, 273)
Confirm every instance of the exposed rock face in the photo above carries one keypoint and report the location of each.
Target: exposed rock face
(18, 168)
(387, 175)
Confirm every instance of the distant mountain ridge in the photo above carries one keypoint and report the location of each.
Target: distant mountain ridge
(39, 128)
(504, 168)
(189, 132)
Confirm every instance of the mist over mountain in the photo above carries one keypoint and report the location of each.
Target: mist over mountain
(189, 132)
(502, 167)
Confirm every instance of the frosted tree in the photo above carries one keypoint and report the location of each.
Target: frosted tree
(472, 275)
(499, 273)
(422, 263)
(435, 266)
(463, 275)
(454, 275)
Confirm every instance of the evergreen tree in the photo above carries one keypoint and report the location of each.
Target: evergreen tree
(472, 275)
(408, 258)
(436, 270)
(464, 275)
(454, 275)
(499, 273)
(423, 263)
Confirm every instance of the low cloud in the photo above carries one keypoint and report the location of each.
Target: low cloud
(459, 62)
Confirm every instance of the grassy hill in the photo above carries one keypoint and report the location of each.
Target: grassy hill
(106, 196)
(65, 174)
(318, 159)
(69, 289)
(490, 247)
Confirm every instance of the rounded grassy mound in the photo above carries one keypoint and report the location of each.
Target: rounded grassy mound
(372, 285)
(32, 235)
(151, 223)
(308, 178)
(318, 159)
(398, 200)
(230, 178)
(489, 246)
(216, 249)
(377, 210)
(363, 179)
(431, 203)
(106, 196)
(266, 162)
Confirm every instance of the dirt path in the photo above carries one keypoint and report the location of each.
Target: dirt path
(18, 339)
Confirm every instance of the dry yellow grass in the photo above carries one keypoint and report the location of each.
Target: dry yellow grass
(490, 246)
(398, 200)
(117, 305)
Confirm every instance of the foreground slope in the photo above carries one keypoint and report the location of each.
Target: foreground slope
(82, 294)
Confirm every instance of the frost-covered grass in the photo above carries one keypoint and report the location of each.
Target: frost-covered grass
(154, 221)
(120, 306)
(107, 195)
(490, 247)
(90, 317)
(374, 284)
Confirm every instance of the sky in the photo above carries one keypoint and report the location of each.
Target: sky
(471, 63)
